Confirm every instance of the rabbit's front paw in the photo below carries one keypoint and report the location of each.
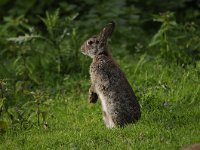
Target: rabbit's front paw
(93, 97)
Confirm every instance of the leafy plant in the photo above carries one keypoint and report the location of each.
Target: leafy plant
(176, 42)
(162, 37)
(36, 50)
(28, 114)
(3, 104)
(38, 57)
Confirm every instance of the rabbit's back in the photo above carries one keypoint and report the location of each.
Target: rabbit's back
(116, 94)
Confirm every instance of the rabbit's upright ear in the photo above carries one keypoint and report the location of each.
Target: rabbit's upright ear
(106, 32)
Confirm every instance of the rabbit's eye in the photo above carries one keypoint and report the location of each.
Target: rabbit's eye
(90, 42)
(97, 42)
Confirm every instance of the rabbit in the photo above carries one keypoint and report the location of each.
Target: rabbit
(108, 82)
(192, 147)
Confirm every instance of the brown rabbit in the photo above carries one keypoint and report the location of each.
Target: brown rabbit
(192, 147)
(108, 82)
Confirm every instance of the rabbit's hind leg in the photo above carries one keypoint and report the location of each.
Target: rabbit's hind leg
(106, 116)
(108, 120)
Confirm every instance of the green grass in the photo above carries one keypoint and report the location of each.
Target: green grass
(169, 97)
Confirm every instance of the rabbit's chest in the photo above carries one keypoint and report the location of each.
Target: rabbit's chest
(97, 70)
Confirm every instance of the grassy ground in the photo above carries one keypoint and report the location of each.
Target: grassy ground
(169, 97)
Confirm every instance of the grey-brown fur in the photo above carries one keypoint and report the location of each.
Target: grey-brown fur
(119, 103)
(192, 147)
